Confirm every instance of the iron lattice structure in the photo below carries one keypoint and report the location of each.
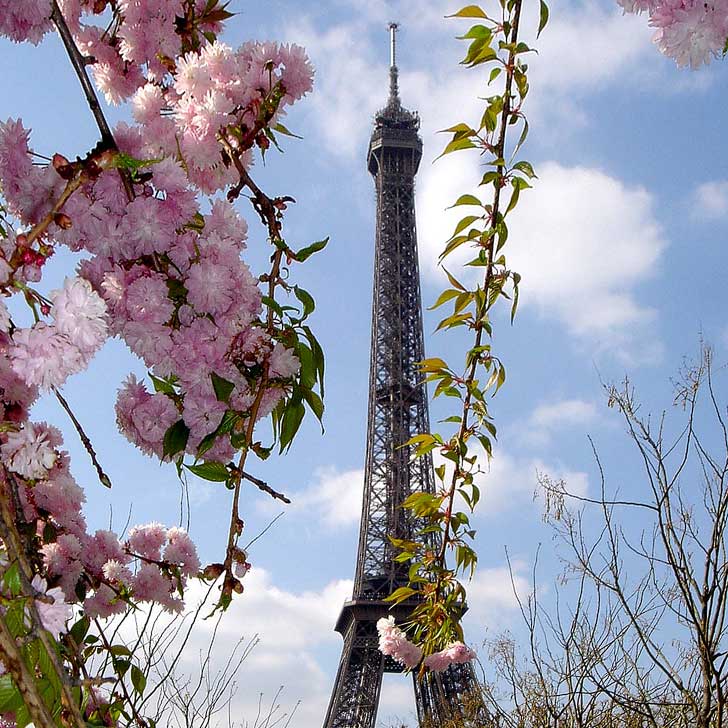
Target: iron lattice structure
(397, 411)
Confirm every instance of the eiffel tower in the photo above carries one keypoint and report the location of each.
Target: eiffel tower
(397, 411)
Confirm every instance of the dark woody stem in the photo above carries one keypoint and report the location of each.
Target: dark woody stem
(79, 63)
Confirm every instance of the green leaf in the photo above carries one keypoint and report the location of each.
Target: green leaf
(175, 439)
(138, 679)
(477, 31)
(526, 168)
(485, 54)
(282, 130)
(318, 356)
(307, 373)
(292, 418)
(10, 699)
(467, 200)
(22, 716)
(444, 297)
(212, 471)
(223, 388)
(272, 303)
(226, 426)
(80, 630)
(514, 197)
(315, 403)
(459, 130)
(457, 145)
(469, 11)
(399, 595)
(11, 579)
(306, 299)
(307, 252)
(453, 281)
(544, 18)
(163, 386)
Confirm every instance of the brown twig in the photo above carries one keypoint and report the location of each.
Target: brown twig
(262, 485)
(71, 186)
(103, 477)
(78, 61)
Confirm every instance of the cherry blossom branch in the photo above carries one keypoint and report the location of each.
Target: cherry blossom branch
(268, 214)
(79, 62)
(71, 186)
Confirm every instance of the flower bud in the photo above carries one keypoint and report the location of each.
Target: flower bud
(62, 166)
(62, 220)
(212, 571)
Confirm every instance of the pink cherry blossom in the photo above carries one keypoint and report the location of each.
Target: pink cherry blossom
(454, 654)
(147, 541)
(29, 451)
(181, 551)
(52, 608)
(80, 314)
(41, 356)
(394, 643)
(691, 32)
(4, 318)
(25, 20)
(283, 362)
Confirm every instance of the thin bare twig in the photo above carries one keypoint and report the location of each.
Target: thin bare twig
(103, 477)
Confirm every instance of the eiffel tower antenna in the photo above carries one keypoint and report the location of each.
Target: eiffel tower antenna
(393, 28)
(397, 411)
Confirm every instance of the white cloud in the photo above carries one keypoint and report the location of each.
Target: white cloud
(349, 84)
(564, 413)
(710, 200)
(582, 240)
(334, 499)
(588, 45)
(293, 627)
(492, 601)
(512, 482)
(550, 417)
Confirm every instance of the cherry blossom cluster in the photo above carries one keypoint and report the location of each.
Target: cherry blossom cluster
(187, 87)
(692, 32)
(101, 570)
(455, 653)
(393, 642)
(157, 272)
(220, 91)
(176, 291)
(46, 354)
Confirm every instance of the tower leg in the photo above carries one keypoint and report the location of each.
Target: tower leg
(358, 681)
(452, 694)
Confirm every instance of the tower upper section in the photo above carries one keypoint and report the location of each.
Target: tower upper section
(395, 128)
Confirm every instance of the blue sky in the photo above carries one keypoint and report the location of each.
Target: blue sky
(622, 250)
